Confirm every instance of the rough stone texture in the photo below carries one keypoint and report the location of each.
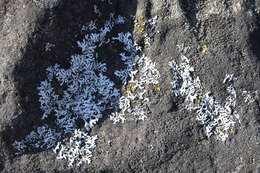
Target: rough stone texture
(170, 140)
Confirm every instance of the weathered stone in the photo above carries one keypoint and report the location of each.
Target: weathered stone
(170, 140)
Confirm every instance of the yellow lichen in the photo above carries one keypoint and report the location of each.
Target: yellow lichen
(204, 49)
(219, 128)
(141, 17)
(131, 85)
(231, 130)
(142, 30)
(137, 25)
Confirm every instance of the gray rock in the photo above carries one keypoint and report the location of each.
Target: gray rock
(170, 139)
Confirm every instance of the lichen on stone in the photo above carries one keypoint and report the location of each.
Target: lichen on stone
(216, 118)
(86, 92)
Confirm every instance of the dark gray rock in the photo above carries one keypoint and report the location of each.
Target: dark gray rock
(170, 140)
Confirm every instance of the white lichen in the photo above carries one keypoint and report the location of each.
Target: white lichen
(77, 149)
(153, 21)
(96, 10)
(48, 46)
(42, 138)
(218, 119)
(228, 78)
(91, 26)
(83, 92)
(87, 93)
(247, 97)
(137, 89)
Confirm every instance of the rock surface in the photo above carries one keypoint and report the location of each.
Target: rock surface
(222, 37)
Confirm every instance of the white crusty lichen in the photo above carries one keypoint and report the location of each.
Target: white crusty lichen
(91, 26)
(83, 92)
(41, 138)
(228, 78)
(96, 10)
(134, 101)
(129, 60)
(183, 83)
(48, 46)
(139, 73)
(77, 149)
(218, 119)
(247, 97)
(87, 93)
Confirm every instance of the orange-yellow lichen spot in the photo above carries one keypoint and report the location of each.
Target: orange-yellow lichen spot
(142, 30)
(220, 128)
(205, 48)
(131, 87)
(128, 90)
(141, 17)
(231, 130)
(131, 84)
(137, 25)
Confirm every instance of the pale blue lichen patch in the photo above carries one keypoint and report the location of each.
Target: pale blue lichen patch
(85, 92)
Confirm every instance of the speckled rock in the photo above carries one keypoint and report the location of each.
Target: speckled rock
(170, 139)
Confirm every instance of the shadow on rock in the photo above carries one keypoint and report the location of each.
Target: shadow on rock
(255, 42)
(190, 9)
